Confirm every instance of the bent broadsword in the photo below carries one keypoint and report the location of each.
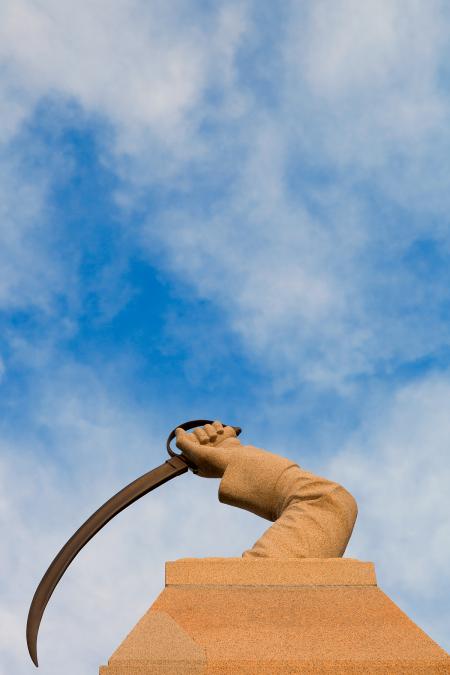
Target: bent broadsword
(175, 466)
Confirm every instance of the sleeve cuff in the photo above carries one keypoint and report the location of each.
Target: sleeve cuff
(249, 482)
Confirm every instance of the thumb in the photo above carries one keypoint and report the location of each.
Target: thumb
(186, 443)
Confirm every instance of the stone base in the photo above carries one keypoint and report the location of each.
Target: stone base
(266, 616)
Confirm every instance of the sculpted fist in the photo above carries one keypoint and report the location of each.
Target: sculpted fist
(210, 448)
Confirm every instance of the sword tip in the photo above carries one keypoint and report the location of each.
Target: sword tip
(32, 632)
(33, 654)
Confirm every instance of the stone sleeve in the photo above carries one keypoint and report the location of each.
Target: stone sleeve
(314, 517)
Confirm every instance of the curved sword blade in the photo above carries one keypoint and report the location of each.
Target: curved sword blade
(129, 494)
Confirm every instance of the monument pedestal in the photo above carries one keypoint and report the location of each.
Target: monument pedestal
(268, 616)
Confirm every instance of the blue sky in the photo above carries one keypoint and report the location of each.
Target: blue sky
(229, 210)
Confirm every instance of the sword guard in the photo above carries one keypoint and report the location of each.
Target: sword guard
(187, 426)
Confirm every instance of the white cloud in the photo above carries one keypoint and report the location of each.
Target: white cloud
(30, 274)
(143, 67)
(141, 72)
(372, 73)
(306, 252)
(309, 252)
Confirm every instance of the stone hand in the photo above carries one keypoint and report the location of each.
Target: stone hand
(210, 448)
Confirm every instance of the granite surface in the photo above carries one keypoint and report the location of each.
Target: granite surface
(223, 616)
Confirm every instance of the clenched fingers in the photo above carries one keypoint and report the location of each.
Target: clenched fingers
(218, 426)
(201, 434)
(211, 431)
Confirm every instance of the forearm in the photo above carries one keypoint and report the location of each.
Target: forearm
(314, 517)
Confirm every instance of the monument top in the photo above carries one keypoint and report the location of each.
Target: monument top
(273, 617)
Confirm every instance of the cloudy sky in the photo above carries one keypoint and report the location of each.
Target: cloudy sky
(234, 210)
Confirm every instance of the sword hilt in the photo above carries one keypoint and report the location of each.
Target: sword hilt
(187, 426)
